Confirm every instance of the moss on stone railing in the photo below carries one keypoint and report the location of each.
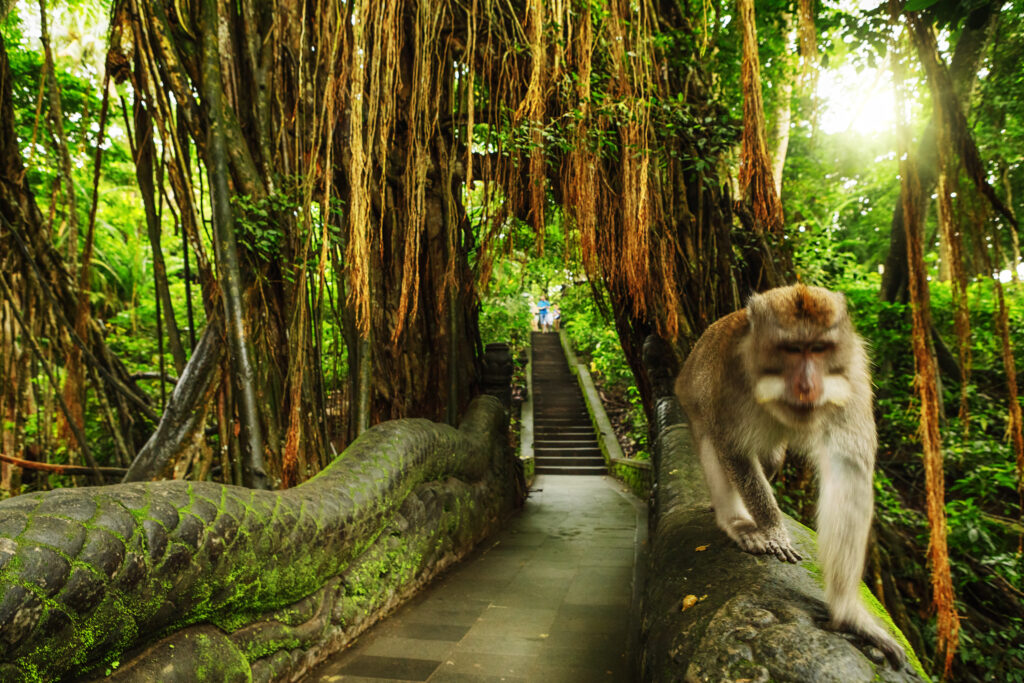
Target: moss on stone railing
(193, 581)
(713, 612)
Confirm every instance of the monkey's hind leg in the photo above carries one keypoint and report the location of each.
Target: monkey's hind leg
(771, 461)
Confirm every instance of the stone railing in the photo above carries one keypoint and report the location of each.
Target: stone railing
(713, 612)
(192, 581)
(636, 474)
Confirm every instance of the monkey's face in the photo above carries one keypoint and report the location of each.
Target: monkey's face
(797, 382)
(800, 359)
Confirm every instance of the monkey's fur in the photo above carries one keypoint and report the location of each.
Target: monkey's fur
(789, 371)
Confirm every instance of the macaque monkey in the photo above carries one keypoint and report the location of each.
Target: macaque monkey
(789, 371)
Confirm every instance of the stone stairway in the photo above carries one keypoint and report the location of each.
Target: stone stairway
(564, 440)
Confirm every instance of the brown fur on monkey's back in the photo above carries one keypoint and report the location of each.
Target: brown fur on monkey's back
(713, 358)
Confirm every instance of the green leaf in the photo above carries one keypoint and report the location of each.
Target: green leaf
(918, 5)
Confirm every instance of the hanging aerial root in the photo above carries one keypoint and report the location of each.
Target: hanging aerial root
(756, 178)
(357, 253)
(943, 599)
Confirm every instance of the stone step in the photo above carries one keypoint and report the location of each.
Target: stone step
(573, 469)
(559, 410)
(576, 452)
(569, 462)
(561, 426)
(567, 434)
(544, 453)
(556, 446)
(564, 438)
(548, 399)
(551, 399)
(557, 398)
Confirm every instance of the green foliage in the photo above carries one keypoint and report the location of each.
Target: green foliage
(982, 503)
(521, 278)
(594, 336)
(998, 123)
(258, 222)
(505, 315)
(839, 195)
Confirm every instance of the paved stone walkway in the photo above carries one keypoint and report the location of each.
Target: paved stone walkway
(546, 600)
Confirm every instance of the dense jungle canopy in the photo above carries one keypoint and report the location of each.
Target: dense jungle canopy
(233, 235)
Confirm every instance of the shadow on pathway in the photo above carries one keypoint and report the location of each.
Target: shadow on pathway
(548, 599)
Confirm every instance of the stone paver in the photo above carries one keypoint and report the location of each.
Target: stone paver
(548, 599)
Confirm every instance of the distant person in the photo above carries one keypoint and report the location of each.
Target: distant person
(542, 314)
(556, 317)
(534, 317)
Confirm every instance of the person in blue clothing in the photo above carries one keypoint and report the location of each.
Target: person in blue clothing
(542, 314)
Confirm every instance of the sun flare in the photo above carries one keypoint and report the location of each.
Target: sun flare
(856, 101)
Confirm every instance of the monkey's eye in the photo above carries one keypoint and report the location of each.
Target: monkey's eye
(821, 347)
(790, 348)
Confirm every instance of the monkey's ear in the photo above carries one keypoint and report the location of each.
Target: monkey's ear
(759, 311)
(840, 304)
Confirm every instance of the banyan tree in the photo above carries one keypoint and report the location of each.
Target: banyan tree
(343, 176)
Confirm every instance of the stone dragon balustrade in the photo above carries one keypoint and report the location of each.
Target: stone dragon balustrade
(179, 580)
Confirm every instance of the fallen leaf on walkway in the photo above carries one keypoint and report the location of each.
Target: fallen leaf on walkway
(701, 548)
(543, 635)
(673, 471)
(688, 602)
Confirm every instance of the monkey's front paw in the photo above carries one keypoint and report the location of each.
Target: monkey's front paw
(771, 542)
(866, 628)
(784, 551)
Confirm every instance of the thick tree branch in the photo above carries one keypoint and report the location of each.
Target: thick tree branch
(185, 415)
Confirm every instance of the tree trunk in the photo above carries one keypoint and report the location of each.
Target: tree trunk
(755, 166)
(1014, 265)
(391, 173)
(783, 117)
(963, 71)
(227, 257)
(185, 416)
